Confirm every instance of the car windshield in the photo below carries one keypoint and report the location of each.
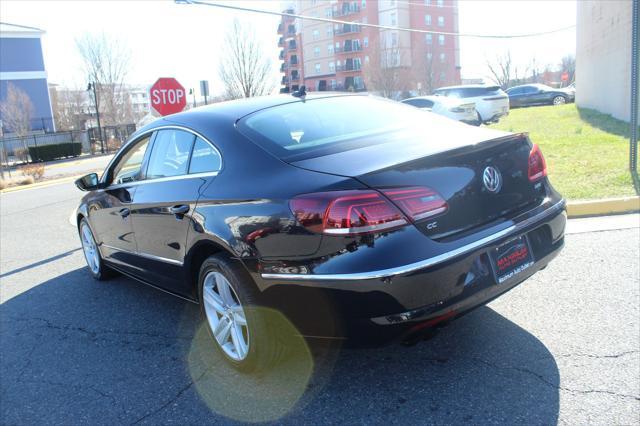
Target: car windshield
(311, 127)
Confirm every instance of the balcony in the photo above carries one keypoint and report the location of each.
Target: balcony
(347, 9)
(349, 67)
(281, 56)
(284, 81)
(280, 28)
(293, 63)
(348, 29)
(347, 49)
(293, 45)
(295, 77)
(281, 42)
(283, 67)
(291, 30)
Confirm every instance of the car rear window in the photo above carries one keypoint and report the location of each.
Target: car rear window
(315, 127)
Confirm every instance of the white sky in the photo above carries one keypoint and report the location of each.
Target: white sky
(184, 41)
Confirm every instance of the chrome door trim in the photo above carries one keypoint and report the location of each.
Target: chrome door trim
(145, 255)
(405, 269)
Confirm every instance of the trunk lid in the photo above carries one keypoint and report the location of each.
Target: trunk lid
(453, 166)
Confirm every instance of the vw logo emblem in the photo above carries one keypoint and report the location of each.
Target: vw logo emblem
(492, 179)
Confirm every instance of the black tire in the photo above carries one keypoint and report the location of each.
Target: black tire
(559, 100)
(104, 272)
(479, 122)
(265, 347)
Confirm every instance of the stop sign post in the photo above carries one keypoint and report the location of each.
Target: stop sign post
(167, 96)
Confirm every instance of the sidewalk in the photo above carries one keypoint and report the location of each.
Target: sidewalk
(68, 167)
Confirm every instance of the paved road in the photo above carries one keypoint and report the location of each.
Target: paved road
(561, 348)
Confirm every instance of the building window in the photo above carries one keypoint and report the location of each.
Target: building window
(440, 3)
(392, 2)
(318, 68)
(441, 21)
(441, 39)
(429, 56)
(365, 20)
(332, 67)
(427, 20)
(329, 30)
(394, 21)
(330, 49)
(366, 60)
(358, 83)
(316, 34)
(427, 2)
(364, 4)
(428, 38)
(442, 58)
(365, 42)
(333, 84)
(394, 39)
(357, 64)
(327, 13)
(443, 76)
(316, 52)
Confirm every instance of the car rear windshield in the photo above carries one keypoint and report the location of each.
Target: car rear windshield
(316, 127)
(468, 92)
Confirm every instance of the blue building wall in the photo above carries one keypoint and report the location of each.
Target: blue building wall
(21, 54)
(22, 65)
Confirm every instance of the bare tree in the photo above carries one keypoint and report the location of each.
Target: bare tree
(568, 65)
(244, 69)
(17, 111)
(385, 73)
(69, 108)
(501, 70)
(106, 63)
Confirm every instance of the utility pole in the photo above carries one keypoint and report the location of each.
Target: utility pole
(92, 86)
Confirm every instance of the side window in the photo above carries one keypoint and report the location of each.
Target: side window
(129, 167)
(170, 154)
(204, 158)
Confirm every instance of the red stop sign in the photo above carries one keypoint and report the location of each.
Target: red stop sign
(167, 96)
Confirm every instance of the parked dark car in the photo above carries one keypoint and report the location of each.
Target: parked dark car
(357, 218)
(538, 94)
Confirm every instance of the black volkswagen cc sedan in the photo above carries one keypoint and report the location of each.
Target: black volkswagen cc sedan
(354, 217)
(538, 94)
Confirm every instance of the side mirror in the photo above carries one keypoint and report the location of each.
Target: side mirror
(88, 182)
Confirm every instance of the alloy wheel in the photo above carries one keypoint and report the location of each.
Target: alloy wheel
(90, 249)
(226, 316)
(559, 100)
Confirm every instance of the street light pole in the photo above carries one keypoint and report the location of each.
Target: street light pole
(92, 86)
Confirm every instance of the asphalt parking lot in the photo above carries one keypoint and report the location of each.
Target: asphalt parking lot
(564, 347)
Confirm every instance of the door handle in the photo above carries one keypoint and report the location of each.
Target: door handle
(179, 210)
(124, 212)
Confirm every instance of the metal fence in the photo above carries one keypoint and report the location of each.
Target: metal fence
(16, 149)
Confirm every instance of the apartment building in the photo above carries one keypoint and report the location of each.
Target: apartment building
(353, 57)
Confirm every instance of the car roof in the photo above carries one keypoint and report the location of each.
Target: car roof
(233, 110)
(468, 86)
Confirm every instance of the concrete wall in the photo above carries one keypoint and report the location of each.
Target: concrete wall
(603, 56)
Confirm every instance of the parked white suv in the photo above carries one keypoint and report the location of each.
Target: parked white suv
(455, 109)
(491, 101)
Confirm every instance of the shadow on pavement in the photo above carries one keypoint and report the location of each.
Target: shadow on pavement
(77, 351)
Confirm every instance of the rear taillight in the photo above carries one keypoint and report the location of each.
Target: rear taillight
(366, 211)
(537, 165)
(417, 202)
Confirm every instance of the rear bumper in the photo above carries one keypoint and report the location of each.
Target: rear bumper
(380, 305)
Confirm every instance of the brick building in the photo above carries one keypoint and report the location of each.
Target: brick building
(352, 57)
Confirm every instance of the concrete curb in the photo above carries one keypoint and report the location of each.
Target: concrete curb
(603, 207)
(42, 184)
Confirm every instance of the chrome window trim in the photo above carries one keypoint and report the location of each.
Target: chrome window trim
(405, 269)
(136, 137)
(145, 255)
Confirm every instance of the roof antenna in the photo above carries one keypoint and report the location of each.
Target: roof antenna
(301, 92)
